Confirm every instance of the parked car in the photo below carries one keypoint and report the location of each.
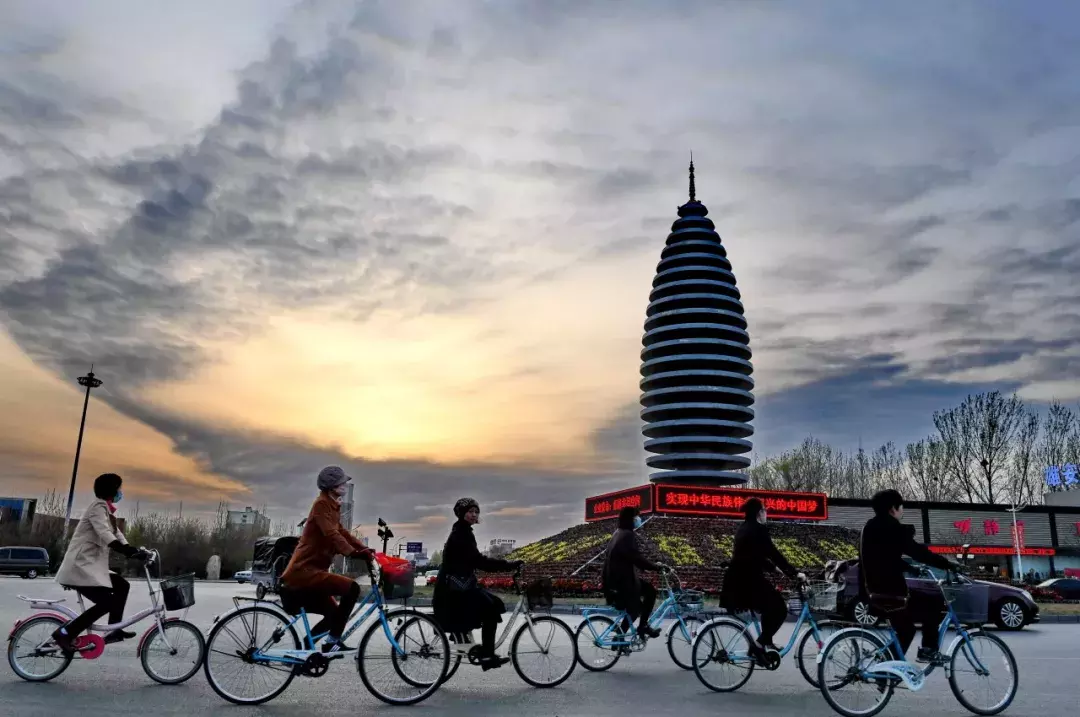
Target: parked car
(1009, 608)
(242, 576)
(1064, 588)
(27, 562)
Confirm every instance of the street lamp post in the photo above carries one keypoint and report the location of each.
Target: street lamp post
(90, 381)
(1014, 509)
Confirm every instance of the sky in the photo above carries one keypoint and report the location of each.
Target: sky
(416, 238)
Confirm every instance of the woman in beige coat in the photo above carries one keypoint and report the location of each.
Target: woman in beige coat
(86, 564)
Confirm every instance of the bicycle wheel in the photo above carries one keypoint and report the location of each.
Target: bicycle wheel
(806, 655)
(32, 653)
(455, 663)
(593, 653)
(848, 654)
(174, 655)
(548, 652)
(680, 640)
(421, 669)
(722, 657)
(984, 657)
(230, 655)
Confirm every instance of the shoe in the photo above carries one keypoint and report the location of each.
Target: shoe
(332, 646)
(65, 642)
(766, 646)
(928, 655)
(647, 631)
(493, 662)
(118, 636)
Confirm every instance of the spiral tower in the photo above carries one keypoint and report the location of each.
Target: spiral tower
(695, 362)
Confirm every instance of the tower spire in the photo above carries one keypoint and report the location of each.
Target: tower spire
(693, 189)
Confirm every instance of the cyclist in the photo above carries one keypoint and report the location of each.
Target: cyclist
(623, 588)
(459, 603)
(307, 581)
(745, 586)
(882, 570)
(85, 568)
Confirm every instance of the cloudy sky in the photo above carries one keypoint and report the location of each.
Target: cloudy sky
(416, 238)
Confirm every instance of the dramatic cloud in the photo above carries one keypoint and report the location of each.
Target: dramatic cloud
(416, 239)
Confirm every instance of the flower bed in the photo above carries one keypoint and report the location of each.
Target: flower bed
(796, 554)
(678, 549)
(838, 550)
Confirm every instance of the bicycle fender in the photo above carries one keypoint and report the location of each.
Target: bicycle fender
(64, 619)
(146, 635)
(228, 613)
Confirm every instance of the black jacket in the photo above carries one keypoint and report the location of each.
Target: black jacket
(620, 578)
(456, 610)
(882, 545)
(753, 555)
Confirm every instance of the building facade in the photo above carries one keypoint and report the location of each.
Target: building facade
(696, 389)
(17, 511)
(251, 518)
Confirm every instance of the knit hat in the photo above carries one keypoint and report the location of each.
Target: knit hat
(331, 477)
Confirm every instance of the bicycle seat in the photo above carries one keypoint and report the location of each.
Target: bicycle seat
(43, 601)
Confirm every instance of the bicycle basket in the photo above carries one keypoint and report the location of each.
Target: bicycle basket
(540, 594)
(178, 593)
(692, 599)
(970, 602)
(821, 595)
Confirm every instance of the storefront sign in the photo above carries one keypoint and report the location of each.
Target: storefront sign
(991, 550)
(1057, 476)
(727, 502)
(606, 506)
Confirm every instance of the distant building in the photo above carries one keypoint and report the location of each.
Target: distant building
(347, 508)
(17, 510)
(251, 518)
(506, 543)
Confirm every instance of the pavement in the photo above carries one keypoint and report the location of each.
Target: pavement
(644, 683)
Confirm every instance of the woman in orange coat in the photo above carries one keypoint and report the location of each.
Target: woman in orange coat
(307, 581)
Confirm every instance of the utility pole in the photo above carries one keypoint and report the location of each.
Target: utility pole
(90, 382)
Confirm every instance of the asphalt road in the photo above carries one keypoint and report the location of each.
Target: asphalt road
(645, 683)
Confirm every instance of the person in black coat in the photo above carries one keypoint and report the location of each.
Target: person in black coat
(623, 588)
(459, 603)
(882, 574)
(745, 587)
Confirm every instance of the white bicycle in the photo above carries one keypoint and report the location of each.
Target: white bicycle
(171, 651)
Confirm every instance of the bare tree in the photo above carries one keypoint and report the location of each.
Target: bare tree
(996, 419)
(955, 429)
(1059, 430)
(924, 470)
(1024, 475)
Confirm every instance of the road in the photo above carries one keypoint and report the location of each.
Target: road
(645, 683)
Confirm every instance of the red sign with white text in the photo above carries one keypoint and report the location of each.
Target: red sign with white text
(727, 502)
(606, 506)
(991, 550)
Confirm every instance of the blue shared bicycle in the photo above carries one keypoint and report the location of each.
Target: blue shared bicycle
(858, 668)
(254, 652)
(601, 639)
(726, 651)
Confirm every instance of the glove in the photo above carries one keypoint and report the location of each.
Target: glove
(367, 554)
(144, 555)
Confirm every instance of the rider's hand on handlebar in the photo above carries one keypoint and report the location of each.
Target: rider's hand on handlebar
(517, 565)
(144, 555)
(664, 568)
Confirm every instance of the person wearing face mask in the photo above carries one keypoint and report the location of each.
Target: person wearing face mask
(459, 603)
(882, 545)
(745, 587)
(623, 588)
(307, 581)
(85, 568)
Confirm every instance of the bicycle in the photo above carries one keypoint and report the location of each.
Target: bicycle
(537, 596)
(874, 665)
(30, 640)
(259, 650)
(739, 651)
(609, 641)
